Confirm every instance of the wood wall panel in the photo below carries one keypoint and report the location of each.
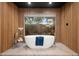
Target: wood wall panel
(0, 25)
(58, 27)
(69, 33)
(40, 11)
(9, 24)
(78, 27)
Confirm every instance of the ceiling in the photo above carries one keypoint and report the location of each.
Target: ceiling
(39, 4)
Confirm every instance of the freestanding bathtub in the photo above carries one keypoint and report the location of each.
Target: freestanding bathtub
(48, 41)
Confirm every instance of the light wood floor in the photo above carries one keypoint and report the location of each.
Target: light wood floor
(58, 50)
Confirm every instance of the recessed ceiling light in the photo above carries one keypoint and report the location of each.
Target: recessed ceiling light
(29, 3)
(50, 2)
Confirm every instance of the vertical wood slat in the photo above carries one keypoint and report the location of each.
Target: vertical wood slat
(0, 25)
(69, 33)
(9, 21)
(78, 27)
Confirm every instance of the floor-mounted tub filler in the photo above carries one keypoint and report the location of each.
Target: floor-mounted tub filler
(39, 41)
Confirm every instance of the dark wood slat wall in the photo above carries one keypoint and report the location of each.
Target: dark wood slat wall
(69, 34)
(40, 11)
(9, 24)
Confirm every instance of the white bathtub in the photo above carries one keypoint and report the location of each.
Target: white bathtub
(48, 41)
